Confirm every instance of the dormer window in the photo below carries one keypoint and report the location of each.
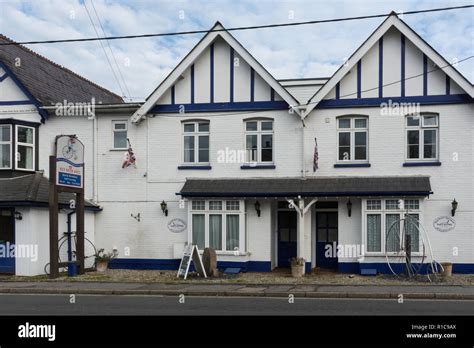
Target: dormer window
(18, 142)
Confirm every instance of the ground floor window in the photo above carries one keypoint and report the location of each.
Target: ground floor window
(217, 224)
(388, 222)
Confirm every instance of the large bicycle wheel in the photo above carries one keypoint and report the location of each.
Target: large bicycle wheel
(89, 254)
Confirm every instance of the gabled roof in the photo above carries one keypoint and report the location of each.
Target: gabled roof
(391, 21)
(32, 190)
(217, 30)
(48, 82)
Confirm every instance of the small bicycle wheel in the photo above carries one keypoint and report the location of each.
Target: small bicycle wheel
(46, 268)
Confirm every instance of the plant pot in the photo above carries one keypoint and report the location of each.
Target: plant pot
(297, 271)
(101, 266)
(447, 269)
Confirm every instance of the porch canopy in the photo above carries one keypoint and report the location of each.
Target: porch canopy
(32, 190)
(308, 187)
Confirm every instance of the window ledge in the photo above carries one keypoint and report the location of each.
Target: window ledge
(352, 165)
(258, 166)
(116, 149)
(422, 164)
(194, 167)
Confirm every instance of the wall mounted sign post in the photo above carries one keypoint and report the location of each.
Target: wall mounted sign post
(191, 253)
(66, 174)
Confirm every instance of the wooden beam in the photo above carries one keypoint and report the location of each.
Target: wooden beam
(53, 221)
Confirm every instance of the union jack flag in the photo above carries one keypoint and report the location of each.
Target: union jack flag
(316, 155)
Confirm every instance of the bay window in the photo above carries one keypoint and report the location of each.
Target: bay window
(217, 224)
(422, 137)
(386, 219)
(196, 142)
(5, 146)
(18, 142)
(352, 133)
(259, 141)
(25, 147)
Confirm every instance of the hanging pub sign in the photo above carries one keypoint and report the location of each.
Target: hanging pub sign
(69, 161)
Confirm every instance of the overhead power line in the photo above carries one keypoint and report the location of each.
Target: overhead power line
(103, 48)
(290, 24)
(111, 51)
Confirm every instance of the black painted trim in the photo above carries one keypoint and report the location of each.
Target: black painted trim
(352, 165)
(194, 167)
(261, 166)
(421, 164)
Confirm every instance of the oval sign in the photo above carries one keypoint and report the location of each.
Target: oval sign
(177, 225)
(444, 224)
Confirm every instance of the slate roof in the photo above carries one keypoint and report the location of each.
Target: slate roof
(32, 190)
(49, 82)
(309, 187)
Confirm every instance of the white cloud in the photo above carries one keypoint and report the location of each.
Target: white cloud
(303, 51)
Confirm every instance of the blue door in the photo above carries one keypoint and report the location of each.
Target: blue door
(286, 237)
(326, 239)
(7, 241)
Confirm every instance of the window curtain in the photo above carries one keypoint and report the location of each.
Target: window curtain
(198, 230)
(373, 232)
(215, 232)
(232, 232)
(412, 229)
(392, 229)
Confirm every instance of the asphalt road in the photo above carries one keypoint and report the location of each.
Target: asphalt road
(13, 304)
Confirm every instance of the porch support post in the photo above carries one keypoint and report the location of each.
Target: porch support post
(301, 241)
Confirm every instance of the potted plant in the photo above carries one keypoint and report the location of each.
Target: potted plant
(102, 260)
(297, 267)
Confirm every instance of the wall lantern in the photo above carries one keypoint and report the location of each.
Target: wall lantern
(454, 206)
(164, 208)
(18, 215)
(257, 208)
(349, 208)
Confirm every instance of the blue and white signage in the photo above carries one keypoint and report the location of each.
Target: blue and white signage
(69, 162)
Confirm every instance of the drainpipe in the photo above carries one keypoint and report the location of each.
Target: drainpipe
(95, 179)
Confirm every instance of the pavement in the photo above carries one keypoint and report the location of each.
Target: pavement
(447, 292)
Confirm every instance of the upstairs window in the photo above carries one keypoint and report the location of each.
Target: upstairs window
(25, 148)
(5, 146)
(422, 137)
(352, 133)
(120, 134)
(196, 142)
(259, 141)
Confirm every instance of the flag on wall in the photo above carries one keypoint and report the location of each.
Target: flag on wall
(316, 155)
(129, 157)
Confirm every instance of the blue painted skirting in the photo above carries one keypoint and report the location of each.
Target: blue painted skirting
(173, 264)
(265, 266)
(233, 106)
(382, 267)
(422, 100)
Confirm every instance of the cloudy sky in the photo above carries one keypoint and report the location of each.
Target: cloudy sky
(289, 52)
